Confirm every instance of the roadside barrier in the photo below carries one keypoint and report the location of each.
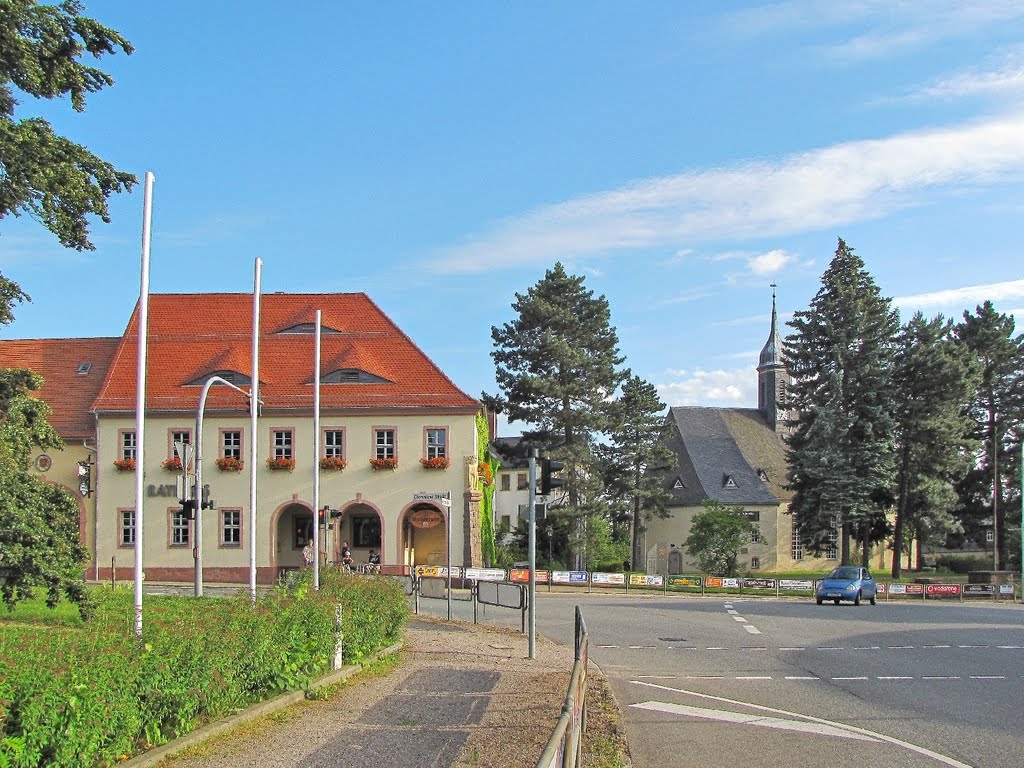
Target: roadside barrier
(564, 748)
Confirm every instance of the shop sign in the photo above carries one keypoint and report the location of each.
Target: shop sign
(426, 518)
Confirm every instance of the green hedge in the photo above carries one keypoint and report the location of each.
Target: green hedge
(90, 696)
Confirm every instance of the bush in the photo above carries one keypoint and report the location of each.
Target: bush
(90, 696)
(963, 564)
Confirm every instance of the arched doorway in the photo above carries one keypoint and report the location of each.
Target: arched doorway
(294, 528)
(675, 561)
(424, 535)
(361, 527)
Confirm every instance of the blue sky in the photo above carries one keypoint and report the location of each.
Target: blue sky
(441, 156)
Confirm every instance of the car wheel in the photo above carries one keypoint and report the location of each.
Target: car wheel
(818, 600)
(874, 599)
(856, 600)
(836, 601)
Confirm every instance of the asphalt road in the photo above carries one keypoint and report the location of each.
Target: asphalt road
(728, 682)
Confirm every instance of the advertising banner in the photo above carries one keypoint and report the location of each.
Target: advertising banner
(640, 580)
(721, 582)
(684, 581)
(522, 575)
(759, 583)
(608, 578)
(1006, 589)
(880, 588)
(793, 584)
(943, 590)
(568, 577)
(485, 574)
(976, 590)
(436, 570)
(906, 589)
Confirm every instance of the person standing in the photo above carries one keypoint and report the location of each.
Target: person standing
(308, 553)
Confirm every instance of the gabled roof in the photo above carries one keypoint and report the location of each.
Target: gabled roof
(715, 447)
(189, 333)
(68, 392)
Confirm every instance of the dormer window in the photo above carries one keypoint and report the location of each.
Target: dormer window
(763, 475)
(84, 368)
(728, 482)
(352, 376)
(234, 377)
(678, 484)
(308, 328)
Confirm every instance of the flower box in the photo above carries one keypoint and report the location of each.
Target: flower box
(387, 463)
(172, 464)
(281, 464)
(333, 463)
(230, 464)
(437, 462)
(125, 465)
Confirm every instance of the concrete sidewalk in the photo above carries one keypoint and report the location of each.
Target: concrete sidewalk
(462, 695)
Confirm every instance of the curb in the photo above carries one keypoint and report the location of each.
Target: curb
(260, 709)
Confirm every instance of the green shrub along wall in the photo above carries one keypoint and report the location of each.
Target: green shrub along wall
(93, 695)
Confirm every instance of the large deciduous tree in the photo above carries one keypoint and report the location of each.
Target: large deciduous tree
(717, 535)
(841, 447)
(934, 384)
(634, 459)
(997, 412)
(557, 366)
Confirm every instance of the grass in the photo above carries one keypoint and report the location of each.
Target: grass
(36, 611)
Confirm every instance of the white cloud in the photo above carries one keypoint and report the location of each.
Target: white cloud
(814, 190)
(769, 263)
(737, 388)
(967, 297)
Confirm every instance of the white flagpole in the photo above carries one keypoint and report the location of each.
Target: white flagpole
(254, 406)
(140, 393)
(316, 456)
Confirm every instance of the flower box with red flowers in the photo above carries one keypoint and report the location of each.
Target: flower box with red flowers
(125, 465)
(281, 464)
(172, 464)
(386, 463)
(435, 462)
(333, 463)
(230, 464)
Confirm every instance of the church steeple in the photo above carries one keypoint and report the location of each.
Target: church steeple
(771, 373)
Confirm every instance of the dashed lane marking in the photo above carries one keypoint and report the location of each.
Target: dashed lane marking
(752, 629)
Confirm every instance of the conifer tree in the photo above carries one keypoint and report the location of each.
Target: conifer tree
(557, 365)
(841, 445)
(635, 458)
(934, 384)
(997, 412)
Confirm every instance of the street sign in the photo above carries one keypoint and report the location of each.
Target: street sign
(183, 452)
(445, 498)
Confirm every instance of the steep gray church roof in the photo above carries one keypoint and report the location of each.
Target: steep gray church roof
(712, 463)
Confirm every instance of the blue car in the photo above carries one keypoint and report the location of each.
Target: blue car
(847, 582)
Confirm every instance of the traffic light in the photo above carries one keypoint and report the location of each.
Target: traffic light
(188, 507)
(547, 468)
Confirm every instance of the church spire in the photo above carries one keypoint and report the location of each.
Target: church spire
(771, 372)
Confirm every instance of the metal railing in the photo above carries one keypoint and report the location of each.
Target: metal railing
(565, 747)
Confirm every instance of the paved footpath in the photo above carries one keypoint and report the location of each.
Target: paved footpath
(463, 695)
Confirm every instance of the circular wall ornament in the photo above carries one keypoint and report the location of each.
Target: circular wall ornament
(43, 462)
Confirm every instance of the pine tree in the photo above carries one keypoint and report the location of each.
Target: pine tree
(934, 384)
(636, 453)
(556, 365)
(996, 412)
(842, 438)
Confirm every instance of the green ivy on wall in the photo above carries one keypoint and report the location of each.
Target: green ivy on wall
(483, 451)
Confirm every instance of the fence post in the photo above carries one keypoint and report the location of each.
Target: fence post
(338, 637)
(113, 572)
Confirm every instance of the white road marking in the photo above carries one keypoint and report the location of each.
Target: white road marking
(791, 648)
(866, 648)
(752, 630)
(640, 647)
(715, 648)
(1009, 647)
(705, 677)
(795, 677)
(607, 646)
(753, 647)
(657, 677)
(755, 677)
(732, 612)
(830, 648)
(901, 647)
(953, 763)
(849, 678)
(988, 677)
(738, 618)
(940, 677)
(972, 646)
(895, 677)
(935, 646)
(760, 720)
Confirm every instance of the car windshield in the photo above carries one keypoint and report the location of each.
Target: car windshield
(844, 573)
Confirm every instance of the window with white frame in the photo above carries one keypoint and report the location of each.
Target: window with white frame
(437, 442)
(282, 445)
(796, 546)
(522, 481)
(179, 529)
(126, 528)
(334, 443)
(231, 527)
(506, 481)
(128, 444)
(231, 444)
(832, 551)
(755, 563)
(178, 436)
(384, 443)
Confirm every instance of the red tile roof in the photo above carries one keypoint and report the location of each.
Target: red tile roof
(68, 392)
(194, 335)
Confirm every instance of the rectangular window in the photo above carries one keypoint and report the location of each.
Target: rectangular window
(282, 445)
(506, 522)
(796, 546)
(522, 481)
(366, 531)
(755, 563)
(128, 444)
(231, 528)
(384, 443)
(832, 552)
(179, 529)
(334, 443)
(179, 436)
(437, 442)
(231, 444)
(506, 481)
(127, 528)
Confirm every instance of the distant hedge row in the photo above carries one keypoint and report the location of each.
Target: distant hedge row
(95, 695)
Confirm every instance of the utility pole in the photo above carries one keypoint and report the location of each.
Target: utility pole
(532, 594)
